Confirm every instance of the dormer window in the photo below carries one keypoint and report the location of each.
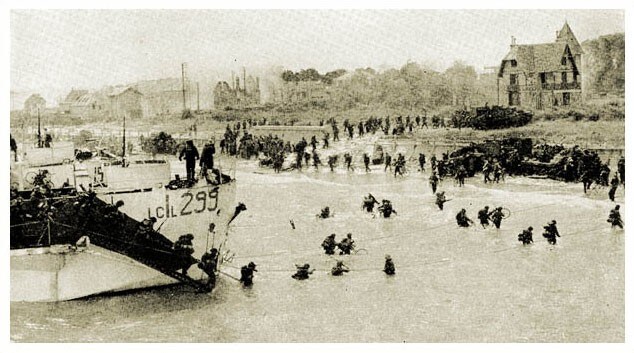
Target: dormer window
(513, 63)
(564, 60)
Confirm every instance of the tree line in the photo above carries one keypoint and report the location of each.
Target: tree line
(412, 87)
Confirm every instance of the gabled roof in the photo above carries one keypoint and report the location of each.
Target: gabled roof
(84, 100)
(74, 94)
(538, 57)
(116, 91)
(565, 35)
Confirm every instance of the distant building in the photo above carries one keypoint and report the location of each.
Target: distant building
(71, 97)
(125, 101)
(34, 104)
(542, 75)
(226, 96)
(303, 92)
(83, 104)
(163, 96)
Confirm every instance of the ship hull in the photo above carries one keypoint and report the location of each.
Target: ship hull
(46, 274)
(62, 273)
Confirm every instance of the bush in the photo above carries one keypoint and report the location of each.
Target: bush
(162, 143)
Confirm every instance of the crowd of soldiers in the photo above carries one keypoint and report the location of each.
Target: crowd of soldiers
(573, 165)
(237, 141)
(576, 165)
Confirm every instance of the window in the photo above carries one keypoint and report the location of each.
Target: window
(513, 79)
(564, 77)
(514, 98)
(564, 60)
(513, 63)
(565, 98)
(542, 77)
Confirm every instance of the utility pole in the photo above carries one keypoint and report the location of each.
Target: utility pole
(39, 130)
(183, 79)
(498, 86)
(123, 155)
(197, 97)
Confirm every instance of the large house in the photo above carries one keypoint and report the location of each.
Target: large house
(542, 76)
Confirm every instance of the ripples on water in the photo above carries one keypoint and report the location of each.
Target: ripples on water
(452, 285)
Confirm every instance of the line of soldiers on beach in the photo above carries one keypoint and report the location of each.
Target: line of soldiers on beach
(573, 165)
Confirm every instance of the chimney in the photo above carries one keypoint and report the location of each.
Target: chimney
(557, 34)
(513, 42)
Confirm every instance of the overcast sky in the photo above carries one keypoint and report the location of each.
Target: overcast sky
(52, 51)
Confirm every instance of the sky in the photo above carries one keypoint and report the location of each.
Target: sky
(53, 51)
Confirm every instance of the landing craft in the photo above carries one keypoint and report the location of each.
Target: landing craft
(47, 263)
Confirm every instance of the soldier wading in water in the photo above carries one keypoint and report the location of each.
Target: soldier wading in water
(551, 233)
(389, 268)
(246, 274)
(303, 272)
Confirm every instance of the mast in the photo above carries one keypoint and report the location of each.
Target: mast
(183, 79)
(123, 156)
(39, 130)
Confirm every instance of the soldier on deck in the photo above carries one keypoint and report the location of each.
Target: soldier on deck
(190, 153)
(207, 161)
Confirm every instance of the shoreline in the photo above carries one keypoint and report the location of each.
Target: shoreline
(595, 135)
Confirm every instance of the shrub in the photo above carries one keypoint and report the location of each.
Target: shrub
(162, 143)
